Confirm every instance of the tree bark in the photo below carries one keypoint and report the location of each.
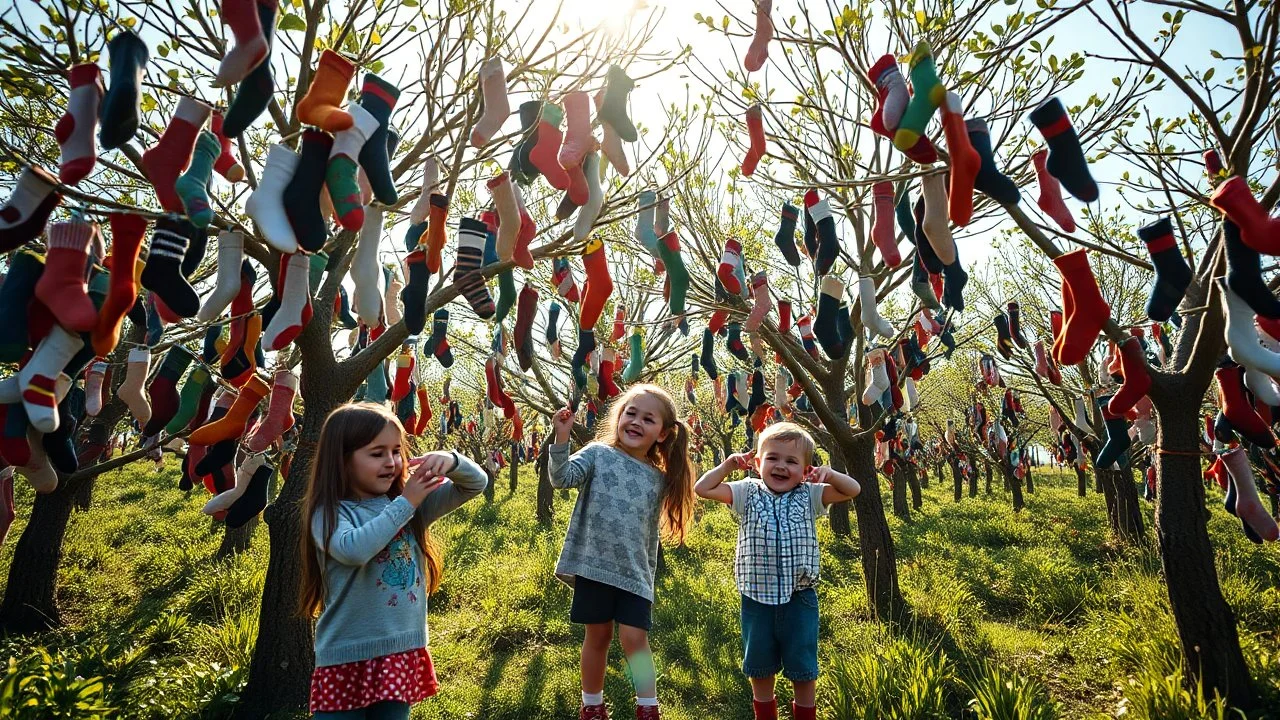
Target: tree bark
(236, 541)
(546, 493)
(957, 479)
(973, 484)
(988, 477)
(1082, 483)
(899, 482)
(1205, 621)
(515, 469)
(913, 480)
(84, 495)
(1015, 485)
(879, 564)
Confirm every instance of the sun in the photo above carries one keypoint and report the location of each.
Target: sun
(609, 16)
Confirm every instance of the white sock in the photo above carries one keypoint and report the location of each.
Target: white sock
(266, 204)
(37, 380)
(367, 297)
(741, 389)
(649, 701)
(1242, 336)
(227, 284)
(33, 187)
(39, 471)
(225, 499)
(131, 390)
(504, 200)
(588, 213)
(781, 383)
(75, 129)
(1082, 418)
(590, 699)
(877, 376)
(493, 84)
(430, 179)
(871, 317)
(913, 398)
(295, 296)
(93, 388)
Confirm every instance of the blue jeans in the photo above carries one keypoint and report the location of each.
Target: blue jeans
(781, 637)
(386, 710)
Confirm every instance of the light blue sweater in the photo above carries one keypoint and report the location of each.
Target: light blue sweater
(375, 600)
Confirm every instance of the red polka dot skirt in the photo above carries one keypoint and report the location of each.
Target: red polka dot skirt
(407, 677)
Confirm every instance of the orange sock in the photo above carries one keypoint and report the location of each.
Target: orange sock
(232, 425)
(322, 105)
(435, 231)
(965, 161)
(599, 285)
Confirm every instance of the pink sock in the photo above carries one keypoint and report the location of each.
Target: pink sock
(1050, 200)
(1248, 505)
(759, 50)
(764, 302)
(93, 388)
(279, 416)
(882, 232)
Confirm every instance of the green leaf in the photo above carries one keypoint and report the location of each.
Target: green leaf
(1208, 74)
(920, 18)
(1217, 55)
(289, 21)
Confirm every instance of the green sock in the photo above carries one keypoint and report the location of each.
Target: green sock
(927, 94)
(193, 186)
(344, 189)
(506, 295)
(315, 273)
(669, 251)
(188, 400)
(635, 364)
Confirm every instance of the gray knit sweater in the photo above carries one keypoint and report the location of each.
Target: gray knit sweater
(375, 600)
(613, 533)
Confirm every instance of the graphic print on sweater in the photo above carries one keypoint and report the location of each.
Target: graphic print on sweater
(399, 572)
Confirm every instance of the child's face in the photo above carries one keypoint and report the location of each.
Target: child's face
(782, 464)
(640, 424)
(375, 466)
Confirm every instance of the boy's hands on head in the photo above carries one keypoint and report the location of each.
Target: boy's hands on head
(562, 421)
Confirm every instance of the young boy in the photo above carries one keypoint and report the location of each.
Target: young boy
(776, 566)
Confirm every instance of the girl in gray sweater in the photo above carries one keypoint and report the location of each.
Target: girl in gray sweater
(634, 483)
(368, 563)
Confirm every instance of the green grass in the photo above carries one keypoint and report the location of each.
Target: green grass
(1038, 614)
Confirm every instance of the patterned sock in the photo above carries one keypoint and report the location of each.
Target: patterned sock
(163, 272)
(254, 92)
(544, 155)
(438, 343)
(193, 186)
(562, 278)
(466, 273)
(295, 304)
(496, 108)
(165, 160)
(824, 326)
(523, 336)
(1066, 158)
(119, 110)
(233, 425)
(403, 377)
(928, 94)
(74, 131)
(266, 205)
(785, 238)
(254, 500)
(251, 46)
(62, 286)
(1173, 275)
(378, 97)
(340, 176)
(27, 211)
(726, 271)
(322, 105)
(414, 295)
(36, 380)
(163, 391)
(599, 285)
(227, 165)
(828, 246)
(734, 342)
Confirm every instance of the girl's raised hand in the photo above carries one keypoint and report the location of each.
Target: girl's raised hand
(419, 485)
(562, 422)
(433, 463)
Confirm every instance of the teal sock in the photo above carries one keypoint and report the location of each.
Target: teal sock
(635, 363)
(506, 295)
(193, 186)
(927, 94)
(669, 251)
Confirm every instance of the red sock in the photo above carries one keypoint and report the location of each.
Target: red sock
(126, 243)
(166, 160)
(755, 130)
(517, 425)
(578, 191)
(1258, 230)
(546, 154)
(965, 162)
(404, 371)
(1050, 200)
(730, 260)
(608, 362)
(619, 324)
(800, 712)
(598, 287)
(294, 311)
(1089, 312)
(1137, 381)
(251, 46)
(882, 231)
(1055, 324)
(526, 309)
(528, 230)
(935, 282)
(424, 411)
(1239, 412)
(74, 130)
(784, 316)
(62, 286)
(227, 165)
(717, 321)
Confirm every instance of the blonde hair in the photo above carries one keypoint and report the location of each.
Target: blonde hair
(789, 432)
(347, 429)
(670, 455)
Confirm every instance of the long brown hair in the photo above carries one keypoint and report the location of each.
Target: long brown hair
(671, 456)
(347, 429)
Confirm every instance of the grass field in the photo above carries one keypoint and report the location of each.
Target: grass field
(1039, 608)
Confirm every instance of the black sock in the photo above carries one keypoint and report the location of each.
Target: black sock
(219, 454)
(844, 325)
(954, 278)
(1015, 325)
(414, 294)
(163, 272)
(757, 391)
(378, 97)
(118, 112)
(1244, 274)
(730, 402)
(586, 343)
(708, 354)
(906, 219)
(1223, 432)
(1004, 341)
(553, 322)
(302, 194)
(344, 310)
(734, 342)
(683, 325)
(254, 92)
(254, 499)
(825, 327)
(57, 444)
(185, 484)
(810, 236)
(25, 269)
(1117, 442)
(520, 166)
(209, 350)
(990, 181)
(1172, 274)
(614, 108)
(785, 239)
(921, 286)
(1066, 160)
(693, 366)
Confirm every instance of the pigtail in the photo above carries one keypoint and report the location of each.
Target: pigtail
(677, 491)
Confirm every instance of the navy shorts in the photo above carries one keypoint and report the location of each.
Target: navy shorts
(781, 637)
(596, 602)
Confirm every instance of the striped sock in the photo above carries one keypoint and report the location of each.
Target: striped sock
(466, 276)
(163, 272)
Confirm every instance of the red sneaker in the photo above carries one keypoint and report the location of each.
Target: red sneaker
(593, 712)
(647, 712)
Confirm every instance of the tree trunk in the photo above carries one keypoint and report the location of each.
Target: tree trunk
(1031, 482)
(957, 479)
(1123, 511)
(1206, 623)
(1015, 485)
(899, 488)
(84, 495)
(879, 564)
(283, 657)
(546, 493)
(515, 469)
(973, 484)
(236, 541)
(1082, 483)
(988, 477)
(1098, 485)
(913, 480)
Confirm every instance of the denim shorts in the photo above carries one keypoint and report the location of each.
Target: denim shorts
(781, 637)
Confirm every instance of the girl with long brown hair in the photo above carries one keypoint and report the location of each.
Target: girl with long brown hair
(635, 485)
(368, 562)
